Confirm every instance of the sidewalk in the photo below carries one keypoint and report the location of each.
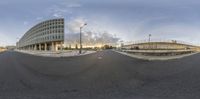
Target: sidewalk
(67, 53)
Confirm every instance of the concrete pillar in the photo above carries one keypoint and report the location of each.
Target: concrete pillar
(35, 47)
(52, 46)
(45, 46)
(40, 47)
(56, 46)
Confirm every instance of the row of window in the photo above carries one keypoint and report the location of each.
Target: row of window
(43, 39)
(55, 28)
(51, 23)
(46, 28)
(45, 35)
(49, 32)
(46, 25)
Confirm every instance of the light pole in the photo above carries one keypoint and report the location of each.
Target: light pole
(17, 43)
(121, 46)
(80, 51)
(149, 40)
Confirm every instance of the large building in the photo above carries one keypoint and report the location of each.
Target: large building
(47, 35)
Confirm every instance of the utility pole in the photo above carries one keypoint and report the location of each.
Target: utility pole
(80, 51)
(149, 40)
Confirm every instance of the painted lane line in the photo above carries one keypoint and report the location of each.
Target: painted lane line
(99, 57)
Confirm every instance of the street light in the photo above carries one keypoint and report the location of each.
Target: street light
(17, 43)
(81, 37)
(149, 38)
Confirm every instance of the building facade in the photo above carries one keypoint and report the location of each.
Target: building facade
(45, 36)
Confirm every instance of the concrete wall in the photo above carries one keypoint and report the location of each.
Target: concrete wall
(159, 46)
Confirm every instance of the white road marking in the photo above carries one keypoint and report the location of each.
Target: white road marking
(99, 57)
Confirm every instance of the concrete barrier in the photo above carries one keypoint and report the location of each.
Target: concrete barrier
(159, 52)
(153, 57)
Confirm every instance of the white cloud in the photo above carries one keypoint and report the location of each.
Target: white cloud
(90, 37)
(60, 10)
(72, 4)
(166, 31)
(75, 24)
(57, 15)
(75, 5)
(39, 18)
(25, 22)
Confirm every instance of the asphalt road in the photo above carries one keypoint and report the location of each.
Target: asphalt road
(102, 75)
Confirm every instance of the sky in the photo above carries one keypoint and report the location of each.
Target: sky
(128, 20)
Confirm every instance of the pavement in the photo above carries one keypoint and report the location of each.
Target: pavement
(101, 75)
(64, 53)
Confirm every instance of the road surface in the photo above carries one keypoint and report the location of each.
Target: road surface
(102, 75)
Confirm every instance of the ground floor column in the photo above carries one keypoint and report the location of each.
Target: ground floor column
(52, 46)
(35, 47)
(40, 47)
(45, 46)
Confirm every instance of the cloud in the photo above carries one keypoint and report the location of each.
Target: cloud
(91, 35)
(91, 38)
(75, 5)
(57, 15)
(25, 22)
(39, 18)
(60, 10)
(71, 4)
(181, 32)
(75, 24)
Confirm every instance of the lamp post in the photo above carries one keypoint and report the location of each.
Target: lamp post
(80, 50)
(149, 40)
(17, 44)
